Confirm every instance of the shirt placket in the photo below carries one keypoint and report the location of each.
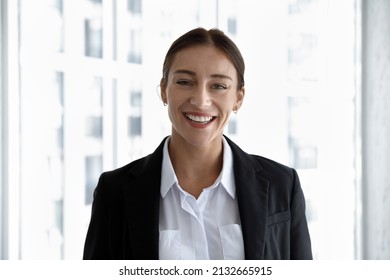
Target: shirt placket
(198, 232)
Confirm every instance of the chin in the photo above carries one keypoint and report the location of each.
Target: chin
(201, 140)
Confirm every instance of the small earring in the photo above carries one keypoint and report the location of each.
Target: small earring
(235, 111)
(165, 104)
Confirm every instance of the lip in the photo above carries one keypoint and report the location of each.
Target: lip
(196, 124)
(200, 114)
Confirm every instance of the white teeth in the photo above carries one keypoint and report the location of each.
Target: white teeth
(199, 119)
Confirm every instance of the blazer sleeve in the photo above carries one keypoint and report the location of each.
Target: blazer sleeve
(300, 238)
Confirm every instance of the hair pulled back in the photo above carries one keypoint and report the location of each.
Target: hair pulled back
(203, 37)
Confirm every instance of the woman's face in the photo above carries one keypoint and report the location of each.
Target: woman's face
(201, 92)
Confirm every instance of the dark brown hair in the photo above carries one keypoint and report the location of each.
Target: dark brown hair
(212, 37)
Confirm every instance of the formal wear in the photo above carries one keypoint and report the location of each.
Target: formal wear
(205, 228)
(125, 219)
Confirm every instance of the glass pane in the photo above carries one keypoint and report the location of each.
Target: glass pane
(56, 25)
(55, 163)
(134, 6)
(73, 126)
(93, 112)
(3, 209)
(135, 126)
(232, 127)
(93, 28)
(93, 169)
(94, 127)
(136, 98)
(135, 46)
(302, 143)
(232, 25)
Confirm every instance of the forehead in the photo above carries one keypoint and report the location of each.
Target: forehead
(203, 59)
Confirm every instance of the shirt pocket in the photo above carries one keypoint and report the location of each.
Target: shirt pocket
(170, 245)
(232, 242)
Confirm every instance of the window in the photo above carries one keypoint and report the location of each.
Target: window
(135, 46)
(2, 161)
(88, 104)
(93, 169)
(135, 119)
(134, 6)
(56, 15)
(302, 133)
(93, 28)
(135, 126)
(232, 25)
(232, 127)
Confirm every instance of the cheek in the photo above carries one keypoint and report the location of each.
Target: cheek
(172, 95)
(174, 101)
(227, 105)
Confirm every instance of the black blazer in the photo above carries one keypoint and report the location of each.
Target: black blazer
(125, 211)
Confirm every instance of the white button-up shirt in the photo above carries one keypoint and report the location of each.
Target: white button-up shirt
(205, 228)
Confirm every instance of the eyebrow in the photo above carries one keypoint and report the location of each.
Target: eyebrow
(192, 73)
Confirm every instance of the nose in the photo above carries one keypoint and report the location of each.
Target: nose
(201, 97)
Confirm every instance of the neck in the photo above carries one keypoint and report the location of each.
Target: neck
(196, 167)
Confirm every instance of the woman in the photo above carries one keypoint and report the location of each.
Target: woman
(199, 196)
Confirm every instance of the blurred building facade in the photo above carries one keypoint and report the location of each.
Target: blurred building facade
(86, 101)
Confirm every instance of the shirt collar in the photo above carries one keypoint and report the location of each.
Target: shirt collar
(226, 177)
(168, 176)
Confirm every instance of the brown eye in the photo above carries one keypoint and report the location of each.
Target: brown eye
(219, 86)
(184, 83)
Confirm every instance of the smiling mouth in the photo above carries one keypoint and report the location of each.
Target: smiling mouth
(200, 119)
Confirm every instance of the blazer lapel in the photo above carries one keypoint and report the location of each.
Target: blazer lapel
(252, 196)
(143, 214)
(142, 198)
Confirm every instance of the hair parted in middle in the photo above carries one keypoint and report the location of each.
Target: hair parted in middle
(213, 37)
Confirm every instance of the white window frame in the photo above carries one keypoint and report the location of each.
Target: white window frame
(10, 125)
(2, 200)
(11, 245)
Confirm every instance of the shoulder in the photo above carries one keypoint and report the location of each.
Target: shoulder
(127, 170)
(143, 167)
(268, 167)
(280, 180)
(275, 169)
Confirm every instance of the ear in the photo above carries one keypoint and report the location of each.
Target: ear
(163, 87)
(239, 98)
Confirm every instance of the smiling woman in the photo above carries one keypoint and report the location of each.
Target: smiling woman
(205, 89)
(199, 110)
(79, 98)
(199, 196)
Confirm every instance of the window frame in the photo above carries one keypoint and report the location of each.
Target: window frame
(10, 131)
(115, 84)
(2, 200)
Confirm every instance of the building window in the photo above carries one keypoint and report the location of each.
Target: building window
(93, 169)
(93, 28)
(135, 126)
(94, 126)
(56, 26)
(136, 98)
(232, 126)
(294, 101)
(302, 131)
(135, 46)
(134, 6)
(232, 25)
